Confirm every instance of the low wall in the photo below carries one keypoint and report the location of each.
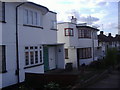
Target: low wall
(37, 80)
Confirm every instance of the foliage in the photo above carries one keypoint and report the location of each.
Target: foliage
(111, 57)
(52, 85)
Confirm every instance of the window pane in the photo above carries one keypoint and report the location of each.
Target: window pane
(32, 57)
(26, 58)
(30, 17)
(66, 53)
(40, 56)
(2, 58)
(25, 16)
(36, 56)
(35, 18)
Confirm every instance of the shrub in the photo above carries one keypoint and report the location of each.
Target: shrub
(52, 85)
(111, 57)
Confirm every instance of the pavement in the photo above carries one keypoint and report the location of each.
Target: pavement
(112, 81)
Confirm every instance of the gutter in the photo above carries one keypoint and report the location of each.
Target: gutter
(17, 44)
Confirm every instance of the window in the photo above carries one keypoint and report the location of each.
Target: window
(33, 55)
(68, 31)
(66, 53)
(32, 18)
(2, 11)
(2, 59)
(84, 33)
(54, 24)
(94, 35)
(85, 53)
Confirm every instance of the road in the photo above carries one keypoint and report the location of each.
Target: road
(112, 81)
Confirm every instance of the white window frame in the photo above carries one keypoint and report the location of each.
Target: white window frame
(32, 17)
(34, 50)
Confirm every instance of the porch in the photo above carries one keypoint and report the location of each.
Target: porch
(53, 56)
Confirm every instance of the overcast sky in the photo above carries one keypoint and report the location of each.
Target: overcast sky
(102, 13)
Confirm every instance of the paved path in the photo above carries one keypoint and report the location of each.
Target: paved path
(112, 81)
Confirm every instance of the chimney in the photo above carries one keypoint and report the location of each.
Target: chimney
(101, 32)
(109, 34)
(74, 20)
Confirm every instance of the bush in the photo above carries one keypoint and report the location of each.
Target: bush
(97, 64)
(111, 57)
(52, 85)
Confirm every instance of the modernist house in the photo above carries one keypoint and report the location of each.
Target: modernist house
(80, 40)
(28, 41)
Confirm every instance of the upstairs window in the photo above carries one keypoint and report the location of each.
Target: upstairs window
(53, 24)
(2, 11)
(84, 33)
(32, 18)
(69, 32)
(2, 59)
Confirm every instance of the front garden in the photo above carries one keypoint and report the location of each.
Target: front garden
(85, 76)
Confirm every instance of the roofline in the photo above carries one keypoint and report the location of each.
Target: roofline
(38, 5)
(53, 12)
(65, 22)
(88, 27)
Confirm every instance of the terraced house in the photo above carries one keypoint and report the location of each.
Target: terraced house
(80, 40)
(28, 41)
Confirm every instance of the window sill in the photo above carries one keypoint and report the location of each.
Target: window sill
(3, 71)
(33, 66)
(54, 29)
(3, 21)
(32, 26)
(84, 38)
(69, 35)
(86, 58)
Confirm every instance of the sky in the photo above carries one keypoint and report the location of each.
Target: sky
(100, 13)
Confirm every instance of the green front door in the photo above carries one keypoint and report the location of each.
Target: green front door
(45, 54)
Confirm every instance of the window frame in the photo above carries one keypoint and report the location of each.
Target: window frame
(66, 53)
(85, 53)
(35, 60)
(3, 12)
(53, 25)
(32, 18)
(83, 33)
(69, 31)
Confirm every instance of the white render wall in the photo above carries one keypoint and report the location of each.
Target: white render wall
(8, 39)
(27, 36)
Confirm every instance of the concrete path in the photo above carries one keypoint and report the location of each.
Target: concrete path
(112, 81)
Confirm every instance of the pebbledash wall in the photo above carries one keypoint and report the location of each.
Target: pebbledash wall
(27, 36)
(72, 43)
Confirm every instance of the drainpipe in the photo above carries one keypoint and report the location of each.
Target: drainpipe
(17, 50)
(93, 44)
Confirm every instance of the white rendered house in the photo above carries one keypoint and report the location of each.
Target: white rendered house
(80, 42)
(28, 41)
